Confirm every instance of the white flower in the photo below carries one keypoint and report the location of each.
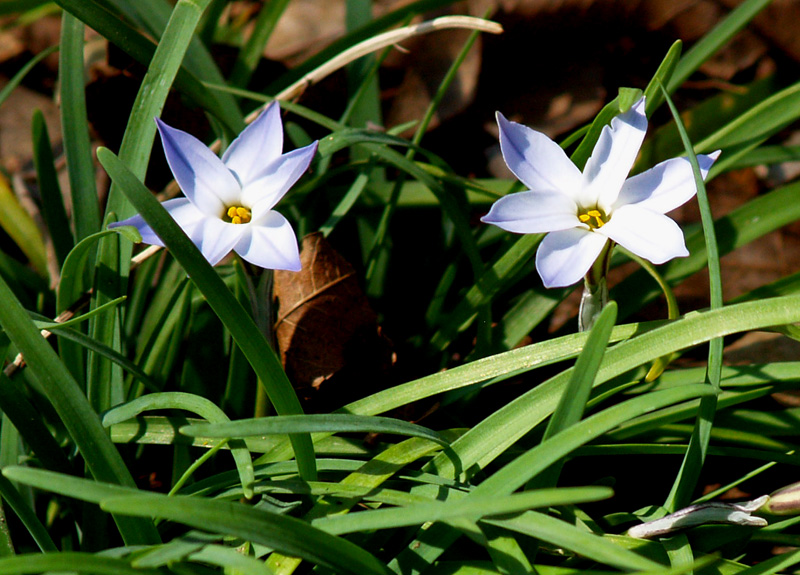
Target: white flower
(229, 201)
(580, 212)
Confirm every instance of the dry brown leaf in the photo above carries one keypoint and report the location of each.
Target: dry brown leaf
(325, 324)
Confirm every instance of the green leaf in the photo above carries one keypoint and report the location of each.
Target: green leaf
(563, 535)
(496, 433)
(70, 561)
(537, 459)
(251, 53)
(331, 423)
(81, 422)
(75, 129)
(720, 35)
(203, 407)
(572, 404)
(695, 455)
(573, 401)
(652, 94)
(31, 426)
(471, 508)
(120, 33)
(284, 534)
(52, 204)
(22, 509)
(19, 225)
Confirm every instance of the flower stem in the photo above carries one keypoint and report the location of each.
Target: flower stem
(595, 290)
(259, 287)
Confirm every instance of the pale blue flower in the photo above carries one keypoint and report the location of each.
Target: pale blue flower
(228, 202)
(581, 212)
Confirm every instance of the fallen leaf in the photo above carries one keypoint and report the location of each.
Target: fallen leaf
(325, 324)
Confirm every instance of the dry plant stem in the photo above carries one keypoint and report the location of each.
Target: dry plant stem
(66, 315)
(703, 514)
(294, 91)
(382, 41)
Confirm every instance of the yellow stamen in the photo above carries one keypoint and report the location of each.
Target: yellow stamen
(238, 215)
(596, 215)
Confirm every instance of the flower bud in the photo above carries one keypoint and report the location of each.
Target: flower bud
(784, 501)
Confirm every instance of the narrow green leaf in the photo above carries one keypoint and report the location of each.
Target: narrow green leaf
(573, 400)
(203, 407)
(30, 425)
(586, 544)
(576, 393)
(652, 94)
(83, 424)
(70, 561)
(689, 473)
(120, 33)
(535, 460)
(75, 129)
(53, 210)
(720, 35)
(496, 433)
(16, 80)
(104, 383)
(250, 54)
(331, 423)
(19, 225)
(472, 508)
(285, 534)
(13, 499)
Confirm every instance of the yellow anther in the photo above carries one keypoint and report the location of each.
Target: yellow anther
(594, 218)
(598, 217)
(238, 215)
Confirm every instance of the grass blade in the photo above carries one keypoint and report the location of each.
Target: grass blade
(53, 210)
(75, 129)
(285, 534)
(331, 423)
(195, 404)
(82, 423)
(695, 456)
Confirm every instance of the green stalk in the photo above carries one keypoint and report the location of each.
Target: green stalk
(689, 473)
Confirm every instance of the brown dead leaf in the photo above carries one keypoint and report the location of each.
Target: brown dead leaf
(325, 325)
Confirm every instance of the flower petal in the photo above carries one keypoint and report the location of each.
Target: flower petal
(148, 235)
(259, 144)
(536, 160)
(533, 212)
(564, 257)
(650, 235)
(215, 238)
(665, 186)
(271, 244)
(271, 183)
(202, 176)
(613, 157)
(182, 211)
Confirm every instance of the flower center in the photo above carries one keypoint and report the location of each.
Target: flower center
(593, 218)
(238, 215)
